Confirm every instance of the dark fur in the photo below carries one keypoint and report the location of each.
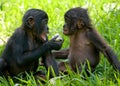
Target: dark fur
(85, 42)
(27, 44)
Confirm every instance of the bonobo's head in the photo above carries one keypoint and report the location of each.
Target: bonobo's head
(36, 21)
(75, 19)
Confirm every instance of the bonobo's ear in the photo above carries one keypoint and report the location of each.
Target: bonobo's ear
(30, 21)
(80, 24)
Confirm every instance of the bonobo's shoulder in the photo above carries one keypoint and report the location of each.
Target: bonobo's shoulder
(19, 31)
(18, 35)
(91, 30)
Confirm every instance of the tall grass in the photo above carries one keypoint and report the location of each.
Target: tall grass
(105, 15)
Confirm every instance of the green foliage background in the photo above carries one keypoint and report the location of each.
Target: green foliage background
(105, 15)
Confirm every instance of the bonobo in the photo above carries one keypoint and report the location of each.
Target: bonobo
(85, 42)
(27, 44)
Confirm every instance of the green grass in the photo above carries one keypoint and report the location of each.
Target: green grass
(105, 15)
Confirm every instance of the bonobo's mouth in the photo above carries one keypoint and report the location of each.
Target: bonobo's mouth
(43, 36)
(65, 31)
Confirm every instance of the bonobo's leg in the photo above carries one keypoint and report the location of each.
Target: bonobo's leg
(62, 54)
(64, 67)
(49, 61)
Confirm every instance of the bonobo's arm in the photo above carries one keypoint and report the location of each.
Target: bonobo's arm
(99, 42)
(25, 57)
(61, 54)
(49, 61)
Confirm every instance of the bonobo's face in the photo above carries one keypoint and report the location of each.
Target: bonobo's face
(41, 27)
(44, 32)
(69, 26)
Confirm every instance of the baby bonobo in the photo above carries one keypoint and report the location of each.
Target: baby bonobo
(27, 44)
(85, 42)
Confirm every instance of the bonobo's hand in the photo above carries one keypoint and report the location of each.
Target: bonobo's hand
(54, 44)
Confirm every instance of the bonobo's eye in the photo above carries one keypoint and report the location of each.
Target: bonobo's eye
(44, 25)
(67, 20)
(44, 21)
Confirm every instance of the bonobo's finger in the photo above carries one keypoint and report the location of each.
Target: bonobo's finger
(55, 37)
